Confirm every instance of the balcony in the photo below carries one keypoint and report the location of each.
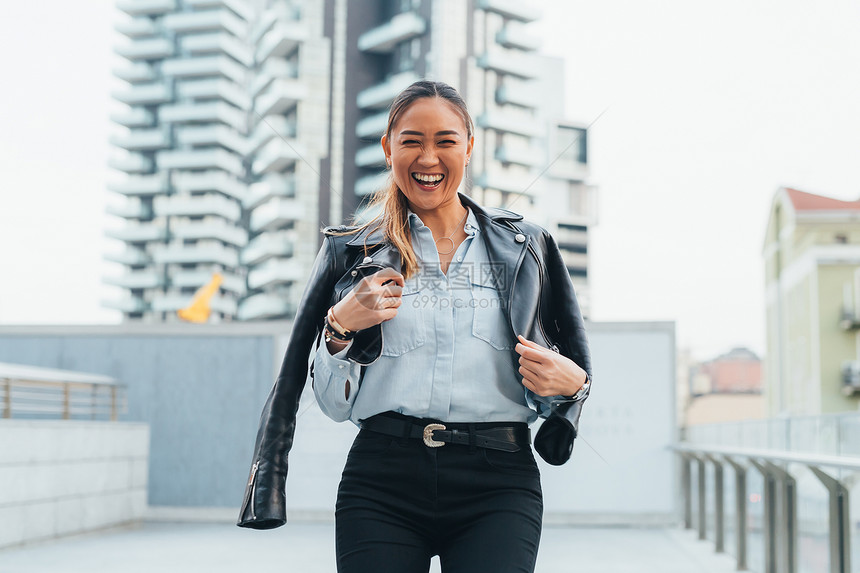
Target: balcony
(240, 7)
(566, 168)
(136, 280)
(144, 94)
(147, 49)
(383, 39)
(218, 43)
(275, 185)
(267, 246)
(181, 206)
(372, 126)
(573, 260)
(205, 66)
(172, 303)
(141, 233)
(135, 117)
(848, 319)
(136, 73)
(203, 113)
(273, 127)
(514, 36)
(371, 183)
(850, 378)
(270, 71)
(382, 94)
(216, 180)
(143, 185)
(510, 64)
(131, 257)
(505, 182)
(200, 254)
(274, 272)
(275, 214)
(281, 39)
(282, 95)
(197, 279)
(219, 229)
(131, 209)
(131, 163)
(519, 155)
(144, 139)
(201, 159)
(128, 304)
(137, 28)
(277, 155)
(214, 88)
(264, 306)
(146, 7)
(511, 9)
(212, 135)
(520, 94)
(205, 21)
(370, 156)
(508, 122)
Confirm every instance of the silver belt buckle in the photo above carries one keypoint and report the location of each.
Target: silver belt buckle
(428, 435)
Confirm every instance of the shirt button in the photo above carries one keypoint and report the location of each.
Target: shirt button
(469, 226)
(340, 365)
(459, 259)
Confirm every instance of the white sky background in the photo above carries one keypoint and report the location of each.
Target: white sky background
(711, 107)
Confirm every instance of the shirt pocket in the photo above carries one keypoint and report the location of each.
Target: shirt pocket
(406, 331)
(489, 322)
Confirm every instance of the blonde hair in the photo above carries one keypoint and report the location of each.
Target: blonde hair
(393, 218)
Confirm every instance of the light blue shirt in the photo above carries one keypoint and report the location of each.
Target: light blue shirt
(448, 354)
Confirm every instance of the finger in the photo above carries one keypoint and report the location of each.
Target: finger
(528, 342)
(530, 353)
(387, 274)
(392, 289)
(529, 373)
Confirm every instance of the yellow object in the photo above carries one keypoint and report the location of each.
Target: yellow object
(198, 310)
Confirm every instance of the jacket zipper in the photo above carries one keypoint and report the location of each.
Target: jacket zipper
(252, 491)
(540, 296)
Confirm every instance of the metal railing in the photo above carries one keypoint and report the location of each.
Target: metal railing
(828, 445)
(33, 392)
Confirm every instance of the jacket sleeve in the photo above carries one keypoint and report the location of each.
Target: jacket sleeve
(264, 504)
(555, 437)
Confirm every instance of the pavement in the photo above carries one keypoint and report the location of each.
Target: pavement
(158, 547)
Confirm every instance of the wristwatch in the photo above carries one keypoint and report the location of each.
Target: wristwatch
(582, 390)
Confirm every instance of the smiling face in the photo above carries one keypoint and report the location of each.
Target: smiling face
(428, 147)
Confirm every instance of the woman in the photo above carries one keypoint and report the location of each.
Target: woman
(448, 328)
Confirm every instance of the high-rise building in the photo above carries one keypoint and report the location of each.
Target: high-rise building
(812, 279)
(251, 124)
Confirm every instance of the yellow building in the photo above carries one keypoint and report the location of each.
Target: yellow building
(812, 281)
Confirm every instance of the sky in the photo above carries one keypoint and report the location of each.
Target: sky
(707, 109)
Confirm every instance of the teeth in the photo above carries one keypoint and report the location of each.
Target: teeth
(428, 178)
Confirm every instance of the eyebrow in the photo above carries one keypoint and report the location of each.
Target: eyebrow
(446, 132)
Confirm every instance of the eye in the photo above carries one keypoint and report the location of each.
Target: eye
(410, 142)
(447, 142)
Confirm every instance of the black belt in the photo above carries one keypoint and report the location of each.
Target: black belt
(505, 436)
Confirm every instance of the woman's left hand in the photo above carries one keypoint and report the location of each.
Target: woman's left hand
(546, 372)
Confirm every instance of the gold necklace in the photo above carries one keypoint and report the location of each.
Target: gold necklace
(448, 238)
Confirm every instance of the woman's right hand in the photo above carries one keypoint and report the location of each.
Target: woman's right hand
(374, 299)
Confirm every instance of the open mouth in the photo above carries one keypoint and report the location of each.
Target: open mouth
(428, 181)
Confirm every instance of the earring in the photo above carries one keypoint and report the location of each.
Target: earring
(388, 161)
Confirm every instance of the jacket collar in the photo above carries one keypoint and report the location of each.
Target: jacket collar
(506, 246)
(487, 216)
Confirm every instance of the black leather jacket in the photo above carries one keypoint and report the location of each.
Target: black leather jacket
(541, 305)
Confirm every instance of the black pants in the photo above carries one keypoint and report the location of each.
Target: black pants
(401, 502)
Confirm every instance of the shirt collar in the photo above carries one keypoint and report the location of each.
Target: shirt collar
(470, 225)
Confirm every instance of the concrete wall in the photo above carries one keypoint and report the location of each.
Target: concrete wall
(201, 389)
(63, 477)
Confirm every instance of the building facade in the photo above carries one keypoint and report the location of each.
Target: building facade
(252, 124)
(812, 280)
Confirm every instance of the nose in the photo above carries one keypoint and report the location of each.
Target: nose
(428, 158)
